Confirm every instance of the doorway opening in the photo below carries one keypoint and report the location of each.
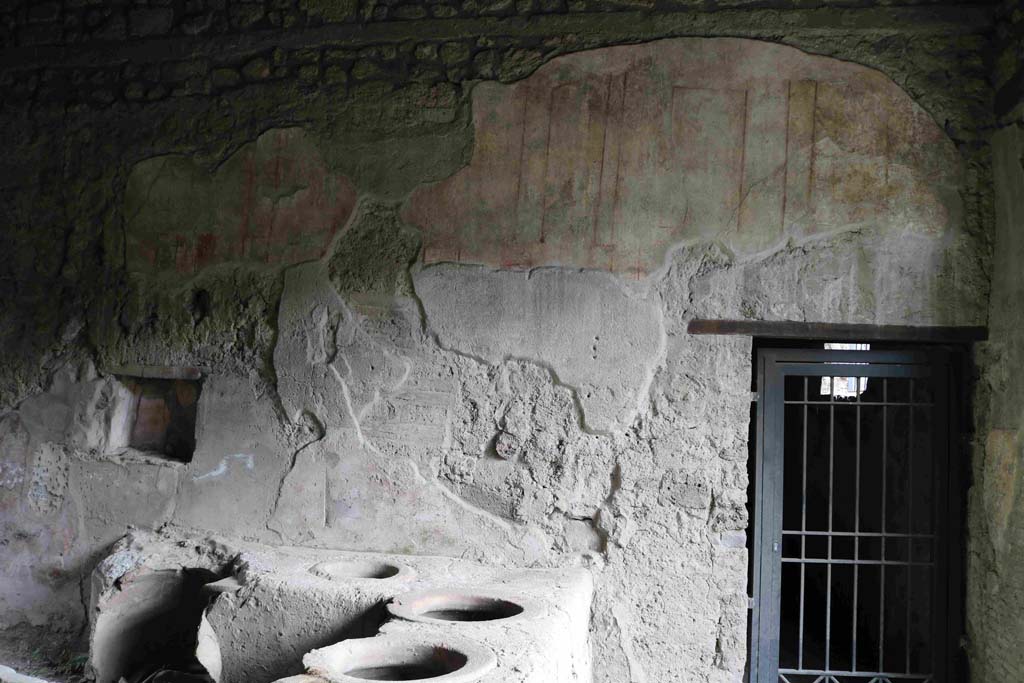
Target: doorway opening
(856, 509)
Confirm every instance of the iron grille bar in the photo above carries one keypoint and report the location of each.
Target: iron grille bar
(857, 674)
(873, 563)
(856, 538)
(918, 404)
(860, 534)
(910, 520)
(828, 566)
(803, 537)
(885, 467)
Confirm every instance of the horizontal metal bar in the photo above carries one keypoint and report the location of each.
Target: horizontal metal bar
(874, 563)
(858, 674)
(845, 357)
(877, 370)
(789, 329)
(859, 534)
(854, 403)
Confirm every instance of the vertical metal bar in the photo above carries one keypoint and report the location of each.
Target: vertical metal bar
(910, 516)
(773, 473)
(773, 491)
(803, 535)
(885, 461)
(947, 613)
(756, 645)
(828, 566)
(856, 535)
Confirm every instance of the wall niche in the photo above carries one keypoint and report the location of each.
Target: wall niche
(162, 404)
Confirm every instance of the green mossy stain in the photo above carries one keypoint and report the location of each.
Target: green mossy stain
(371, 260)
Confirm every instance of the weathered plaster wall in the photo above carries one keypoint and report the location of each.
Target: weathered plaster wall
(91, 90)
(996, 552)
(272, 209)
(996, 587)
(608, 162)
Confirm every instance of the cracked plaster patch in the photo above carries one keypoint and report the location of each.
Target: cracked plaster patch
(49, 481)
(360, 484)
(518, 450)
(594, 335)
(326, 363)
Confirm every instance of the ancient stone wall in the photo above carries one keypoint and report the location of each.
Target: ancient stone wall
(436, 262)
(995, 583)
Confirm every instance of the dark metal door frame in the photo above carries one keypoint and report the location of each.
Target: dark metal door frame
(774, 365)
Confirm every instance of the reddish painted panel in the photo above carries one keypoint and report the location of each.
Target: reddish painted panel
(273, 202)
(605, 159)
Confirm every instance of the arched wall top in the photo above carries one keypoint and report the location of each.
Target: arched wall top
(607, 158)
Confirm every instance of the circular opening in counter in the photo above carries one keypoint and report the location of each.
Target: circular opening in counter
(344, 570)
(454, 607)
(402, 657)
(474, 609)
(416, 665)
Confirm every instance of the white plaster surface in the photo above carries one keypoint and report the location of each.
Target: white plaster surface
(594, 334)
(9, 675)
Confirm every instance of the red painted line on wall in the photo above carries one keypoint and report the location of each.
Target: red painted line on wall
(743, 159)
(785, 163)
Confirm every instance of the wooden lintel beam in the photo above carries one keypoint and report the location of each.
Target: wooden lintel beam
(788, 329)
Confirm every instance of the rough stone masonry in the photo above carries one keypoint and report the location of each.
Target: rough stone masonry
(434, 262)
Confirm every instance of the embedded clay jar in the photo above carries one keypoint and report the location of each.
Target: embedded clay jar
(453, 606)
(361, 569)
(402, 657)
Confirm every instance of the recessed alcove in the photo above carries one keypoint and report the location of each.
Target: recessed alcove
(160, 419)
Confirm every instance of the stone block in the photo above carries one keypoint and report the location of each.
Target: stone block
(182, 71)
(225, 78)
(454, 53)
(43, 11)
(150, 21)
(681, 490)
(244, 15)
(256, 69)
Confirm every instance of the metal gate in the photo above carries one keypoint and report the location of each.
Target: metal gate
(852, 547)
